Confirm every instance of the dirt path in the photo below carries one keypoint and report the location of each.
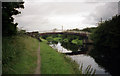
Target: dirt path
(37, 71)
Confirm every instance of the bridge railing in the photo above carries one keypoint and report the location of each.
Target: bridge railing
(78, 32)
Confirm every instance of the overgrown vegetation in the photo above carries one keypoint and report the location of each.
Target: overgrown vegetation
(19, 55)
(76, 41)
(89, 71)
(18, 50)
(70, 42)
(57, 63)
(53, 62)
(8, 10)
(91, 29)
(64, 38)
(106, 40)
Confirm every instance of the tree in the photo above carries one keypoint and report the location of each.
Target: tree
(8, 10)
(91, 29)
(106, 38)
(107, 34)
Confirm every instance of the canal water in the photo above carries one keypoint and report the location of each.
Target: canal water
(81, 58)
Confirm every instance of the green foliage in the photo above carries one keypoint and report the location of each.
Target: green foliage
(74, 41)
(59, 35)
(50, 39)
(71, 37)
(44, 36)
(53, 62)
(21, 32)
(76, 29)
(78, 42)
(89, 29)
(8, 10)
(107, 34)
(106, 40)
(58, 39)
(19, 55)
(65, 40)
(70, 46)
(56, 63)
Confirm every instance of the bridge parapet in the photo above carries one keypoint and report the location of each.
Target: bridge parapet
(72, 33)
(81, 33)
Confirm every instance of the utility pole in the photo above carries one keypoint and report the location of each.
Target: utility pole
(62, 28)
(101, 20)
(62, 38)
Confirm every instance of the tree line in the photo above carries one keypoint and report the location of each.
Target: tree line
(8, 10)
(106, 38)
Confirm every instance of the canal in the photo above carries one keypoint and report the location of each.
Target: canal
(80, 55)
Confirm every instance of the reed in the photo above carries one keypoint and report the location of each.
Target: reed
(89, 71)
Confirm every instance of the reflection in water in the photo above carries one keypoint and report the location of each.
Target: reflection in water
(87, 60)
(81, 58)
(61, 49)
(109, 60)
(70, 46)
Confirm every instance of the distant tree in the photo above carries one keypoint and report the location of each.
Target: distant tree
(76, 29)
(8, 10)
(91, 29)
(55, 29)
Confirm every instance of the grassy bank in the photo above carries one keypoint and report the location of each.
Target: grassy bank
(53, 62)
(19, 54)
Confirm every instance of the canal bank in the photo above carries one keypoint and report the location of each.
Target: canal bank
(81, 58)
(53, 62)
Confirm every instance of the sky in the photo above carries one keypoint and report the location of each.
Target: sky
(46, 15)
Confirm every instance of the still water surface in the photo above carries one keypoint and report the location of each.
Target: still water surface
(81, 58)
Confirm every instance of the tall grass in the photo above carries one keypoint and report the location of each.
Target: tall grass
(89, 71)
(19, 54)
(53, 62)
(57, 63)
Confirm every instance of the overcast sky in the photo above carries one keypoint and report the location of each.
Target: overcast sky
(46, 15)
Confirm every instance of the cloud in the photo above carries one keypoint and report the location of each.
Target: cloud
(72, 0)
(104, 11)
(43, 16)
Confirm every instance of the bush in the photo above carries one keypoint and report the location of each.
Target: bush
(58, 39)
(65, 40)
(50, 39)
(77, 42)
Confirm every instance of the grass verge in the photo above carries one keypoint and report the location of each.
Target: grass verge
(19, 55)
(53, 62)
